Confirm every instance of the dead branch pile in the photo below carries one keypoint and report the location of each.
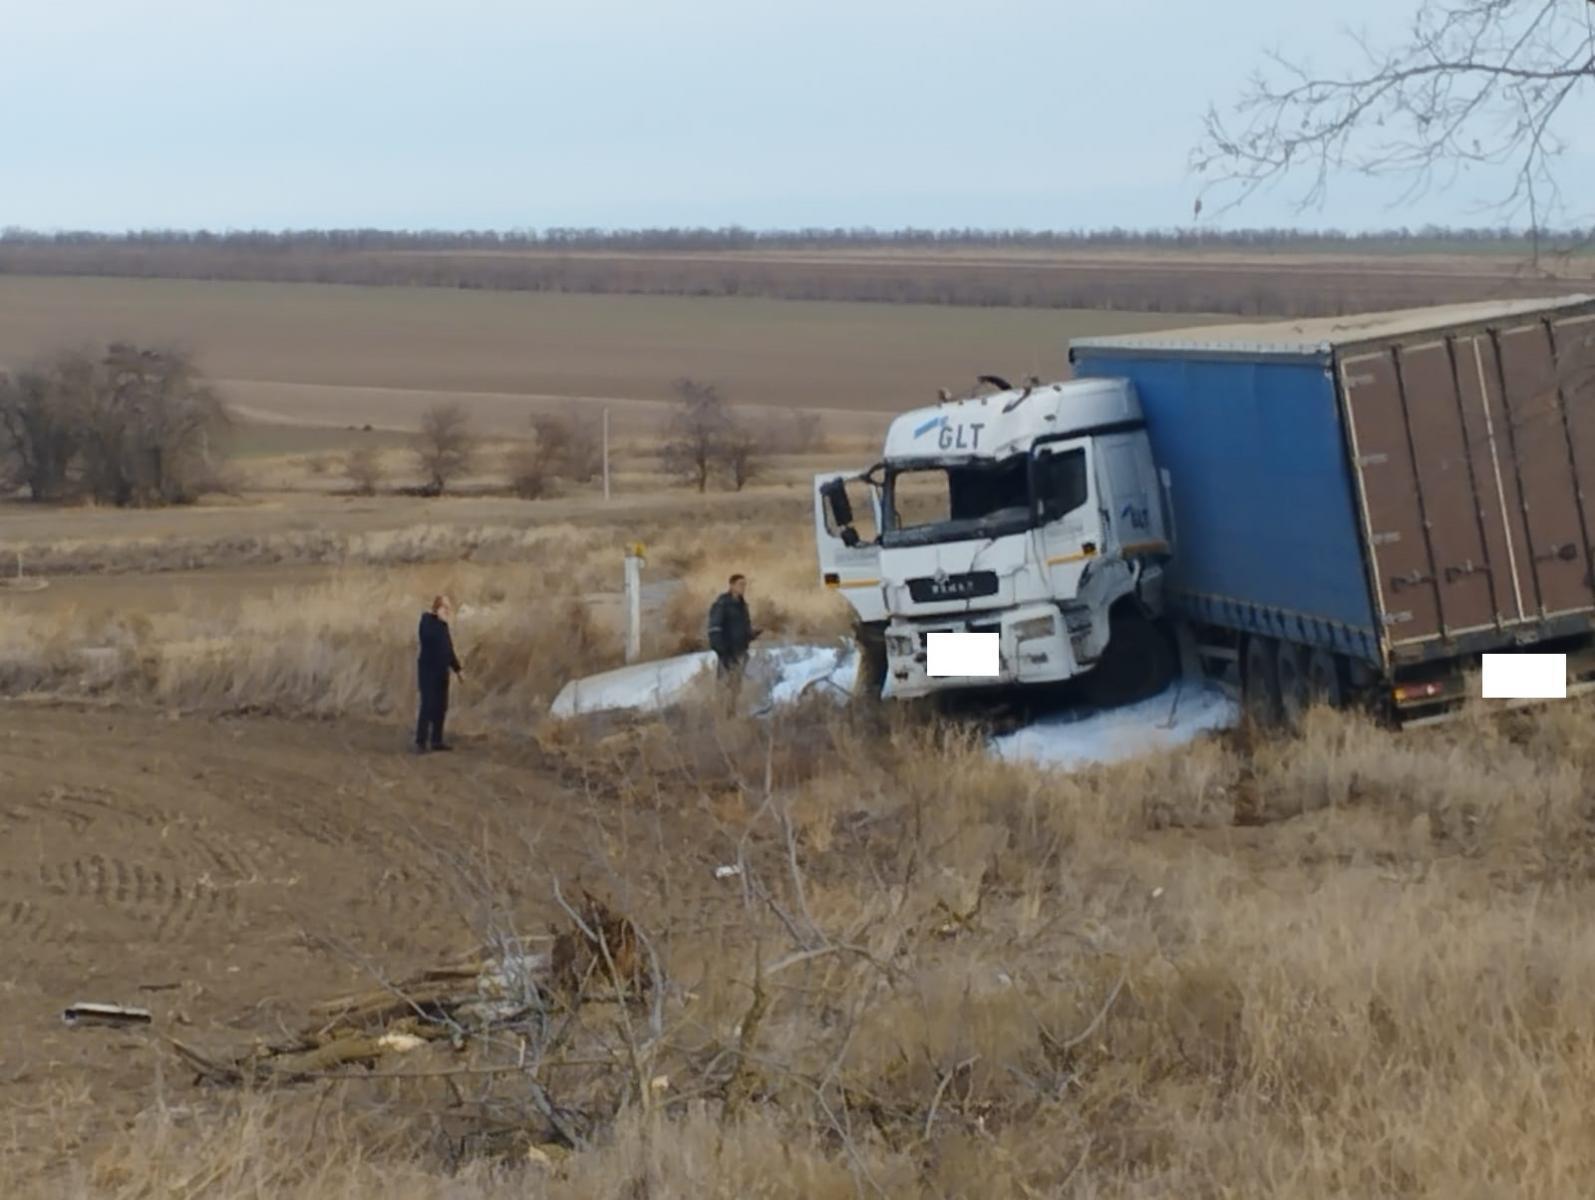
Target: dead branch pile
(597, 958)
(450, 1004)
(601, 947)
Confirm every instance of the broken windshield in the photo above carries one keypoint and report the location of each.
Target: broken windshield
(952, 502)
(957, 501)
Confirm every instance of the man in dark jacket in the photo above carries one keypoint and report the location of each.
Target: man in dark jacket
(436, 660)
(731, 632)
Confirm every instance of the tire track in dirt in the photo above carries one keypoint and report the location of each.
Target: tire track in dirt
(228, 874)
(184, 836)
(164, 899)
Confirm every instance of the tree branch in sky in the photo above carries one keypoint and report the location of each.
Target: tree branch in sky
(1471, 83)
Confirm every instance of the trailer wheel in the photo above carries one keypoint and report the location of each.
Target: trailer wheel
(1137, 664)
(1261, 681)
(1295, 694)
(1323, 679)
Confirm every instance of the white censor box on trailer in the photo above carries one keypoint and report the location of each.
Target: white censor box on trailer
(961, 654)
(1525, 677)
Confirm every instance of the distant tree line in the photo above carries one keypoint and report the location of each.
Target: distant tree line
(123, 426)
(1039, 271)
(733, 237)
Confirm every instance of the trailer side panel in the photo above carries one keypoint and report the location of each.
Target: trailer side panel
(1265, 527)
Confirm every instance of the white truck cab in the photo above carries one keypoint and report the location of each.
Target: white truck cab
(1035, 513)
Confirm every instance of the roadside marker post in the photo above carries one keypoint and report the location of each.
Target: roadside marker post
(634, 561)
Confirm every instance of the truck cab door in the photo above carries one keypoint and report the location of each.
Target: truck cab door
(1132, 498)
(1067, 497)
(847, 522)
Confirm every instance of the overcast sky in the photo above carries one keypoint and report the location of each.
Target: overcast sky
(624, 113)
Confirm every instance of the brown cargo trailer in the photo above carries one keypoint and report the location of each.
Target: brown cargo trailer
(1473, 444)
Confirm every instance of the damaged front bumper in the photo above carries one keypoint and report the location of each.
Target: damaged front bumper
(1033, 647)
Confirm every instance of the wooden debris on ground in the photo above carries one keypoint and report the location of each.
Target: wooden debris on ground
(105, 1014)
(604, 950)
(451, 1003)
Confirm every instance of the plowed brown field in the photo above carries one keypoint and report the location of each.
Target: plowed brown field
(228, 874)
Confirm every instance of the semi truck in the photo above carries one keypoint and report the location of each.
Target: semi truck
(1333, 510)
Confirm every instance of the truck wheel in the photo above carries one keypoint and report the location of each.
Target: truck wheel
(1137, 664)
(1295, 696)
(1261, 685)
(1323, 679)
(871, 677)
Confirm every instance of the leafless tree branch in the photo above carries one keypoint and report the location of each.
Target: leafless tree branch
(1472, 83)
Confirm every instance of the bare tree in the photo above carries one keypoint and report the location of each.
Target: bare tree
(526, 470)
(40, 431)
(150, 425)
(739, 454)
(363, 469)
(129, 426)
(1473, 82)
(570, 444)
(445, 447)
(699, 427)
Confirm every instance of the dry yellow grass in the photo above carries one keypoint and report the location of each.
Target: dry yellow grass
(1354, 963)
(1031, 984)
(539, 605)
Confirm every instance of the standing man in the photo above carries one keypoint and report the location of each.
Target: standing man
(436, 660)
(731, 632)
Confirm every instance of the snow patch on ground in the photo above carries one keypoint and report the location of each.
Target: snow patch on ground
(776, 675)
(782, 675)
(1085, 737)
(807, 670)
(642, 686)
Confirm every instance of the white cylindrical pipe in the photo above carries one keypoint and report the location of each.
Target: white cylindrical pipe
(633, 607)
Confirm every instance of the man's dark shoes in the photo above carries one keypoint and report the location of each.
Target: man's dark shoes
(442, 746)
(419, 750)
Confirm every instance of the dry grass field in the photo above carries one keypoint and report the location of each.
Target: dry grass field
(1355, 963)
(1352, 963)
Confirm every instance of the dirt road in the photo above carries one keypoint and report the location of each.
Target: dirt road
(227, 874)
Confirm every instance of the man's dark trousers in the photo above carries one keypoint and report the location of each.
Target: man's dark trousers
(434, 707)
(730, 673)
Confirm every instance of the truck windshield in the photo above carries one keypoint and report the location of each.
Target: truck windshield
(953, 502)
(957, 502)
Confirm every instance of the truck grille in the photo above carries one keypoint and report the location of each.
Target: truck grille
(930, 590)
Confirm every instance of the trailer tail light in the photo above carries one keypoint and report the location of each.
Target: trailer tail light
(832, 579)
(1418, 691)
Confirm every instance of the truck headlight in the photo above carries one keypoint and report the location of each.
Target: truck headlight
(1034, 627)
(1078, 620)
(899, 646)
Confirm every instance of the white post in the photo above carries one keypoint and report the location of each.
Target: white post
(633, 603)
(606, 453)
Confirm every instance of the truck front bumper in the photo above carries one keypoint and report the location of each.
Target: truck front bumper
(1033, 647)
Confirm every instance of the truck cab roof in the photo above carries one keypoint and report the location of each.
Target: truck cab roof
(1009, 422)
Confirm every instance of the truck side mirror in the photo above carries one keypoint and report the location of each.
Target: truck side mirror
(835, 493)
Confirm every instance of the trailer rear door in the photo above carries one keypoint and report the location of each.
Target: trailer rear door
(1558, 554)
(1404, 582)
(1468, 449)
